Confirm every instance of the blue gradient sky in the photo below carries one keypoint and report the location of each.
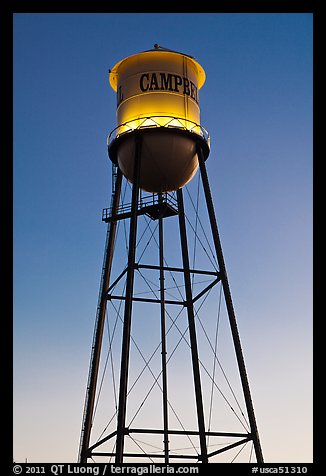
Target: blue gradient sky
(257, 105)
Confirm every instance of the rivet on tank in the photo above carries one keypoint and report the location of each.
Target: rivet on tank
(158, 98)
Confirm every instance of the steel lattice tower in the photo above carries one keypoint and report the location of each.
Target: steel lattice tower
(160, 207)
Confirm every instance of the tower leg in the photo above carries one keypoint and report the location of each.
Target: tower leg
(121, 430)
(163, 345)
(99, 327)
(192, 329)
(230, 309)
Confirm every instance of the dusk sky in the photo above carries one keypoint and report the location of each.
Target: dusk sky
(256, 104)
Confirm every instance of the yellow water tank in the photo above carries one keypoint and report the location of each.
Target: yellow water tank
(157, 95)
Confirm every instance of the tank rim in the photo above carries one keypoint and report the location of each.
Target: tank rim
(156, 122)
(115, 143)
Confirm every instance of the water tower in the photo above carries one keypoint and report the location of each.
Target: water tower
(156, 150)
